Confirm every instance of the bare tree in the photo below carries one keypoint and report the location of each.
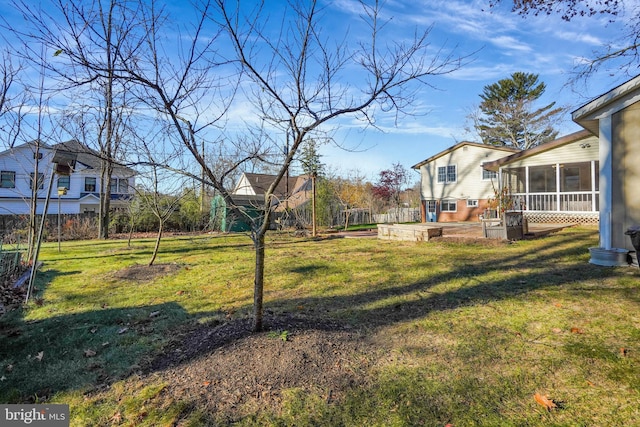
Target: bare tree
(302, 84)
(89, 41)
(299, 81)
(161, 203)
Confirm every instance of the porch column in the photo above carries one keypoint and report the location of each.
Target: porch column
(423, 211)
(558, 201)
(606, 174)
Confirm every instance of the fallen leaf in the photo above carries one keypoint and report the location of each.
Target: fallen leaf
(557, 304)
(122, 330)
(3, 378)
(206, 383)
(179, 292)
(623, 351)
(577, 331)
(556, 330)
(154, 313)
(89, 353)
(93, 330)
(116, 418)
(544, 401)
(39, 356)
(9, 368)
(590, 384)
(104, 344)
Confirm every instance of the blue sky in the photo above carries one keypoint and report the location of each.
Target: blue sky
(503, 43)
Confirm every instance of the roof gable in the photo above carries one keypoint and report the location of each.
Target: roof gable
(91, 158)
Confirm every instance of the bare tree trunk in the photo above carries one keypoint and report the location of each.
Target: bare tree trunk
(157, 246)
(130, 234)
(258, 284)
(314, 229)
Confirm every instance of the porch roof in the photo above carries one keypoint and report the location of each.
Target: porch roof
(497, 164)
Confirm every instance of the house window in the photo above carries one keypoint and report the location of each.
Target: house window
(575, 177)
(64, 181)
(515, 179)
(488, 175)
(472, 203)
(448, 206)
(7, 179)
(39, 156)
(447, 174)
(40, 183)
(119, 185)
(542, 179)
(89, 184)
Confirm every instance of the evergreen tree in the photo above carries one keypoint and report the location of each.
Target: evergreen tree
(507, 116)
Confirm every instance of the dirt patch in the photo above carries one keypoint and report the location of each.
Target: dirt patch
(145, 273)
(230, 372)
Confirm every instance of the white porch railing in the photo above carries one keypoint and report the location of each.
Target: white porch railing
(579, 201)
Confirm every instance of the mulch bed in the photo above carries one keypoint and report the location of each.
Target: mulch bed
(228, 371)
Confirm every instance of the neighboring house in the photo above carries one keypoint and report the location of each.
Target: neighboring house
(554, 182)
(615, 118)
(17, 170)
(454, 186)
(289, 194)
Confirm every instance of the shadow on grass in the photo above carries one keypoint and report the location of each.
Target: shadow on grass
(86, 350)
(82, 350)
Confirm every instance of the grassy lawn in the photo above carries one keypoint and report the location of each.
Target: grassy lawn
(463, 333)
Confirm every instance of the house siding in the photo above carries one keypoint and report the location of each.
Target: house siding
(16, 201)
(469, 185)
(572, 152)
(626, 174)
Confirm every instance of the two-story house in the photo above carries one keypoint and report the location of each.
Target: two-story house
(82, 186)
(453, 184)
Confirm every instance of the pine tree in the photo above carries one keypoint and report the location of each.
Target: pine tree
(507, 115)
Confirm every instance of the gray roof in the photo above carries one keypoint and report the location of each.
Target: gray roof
(91, 158)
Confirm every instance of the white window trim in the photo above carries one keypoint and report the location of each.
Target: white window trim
(446, 174)
(449, 202)
(490, 178)
(474, 205)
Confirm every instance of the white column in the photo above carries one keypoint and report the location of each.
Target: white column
(593, 186)
(557, 187)
(606, 174)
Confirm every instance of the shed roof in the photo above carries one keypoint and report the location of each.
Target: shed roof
(260, 183)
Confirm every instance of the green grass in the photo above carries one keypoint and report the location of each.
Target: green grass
(467, 333)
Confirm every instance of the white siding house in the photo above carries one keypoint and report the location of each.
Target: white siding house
(556, 181)
(453, 184)
(17, 172)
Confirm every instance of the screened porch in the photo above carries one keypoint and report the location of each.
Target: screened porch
(560, 187)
